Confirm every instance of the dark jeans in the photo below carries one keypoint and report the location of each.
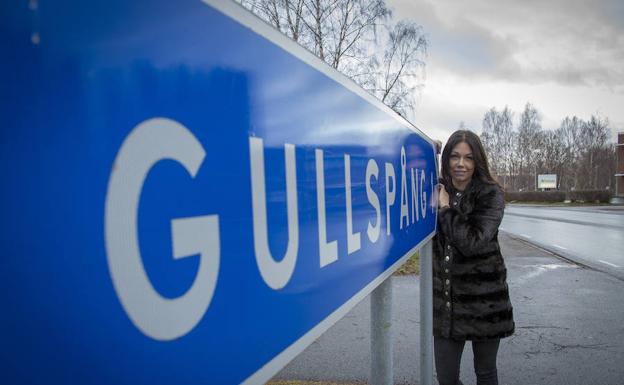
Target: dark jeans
(448, 358)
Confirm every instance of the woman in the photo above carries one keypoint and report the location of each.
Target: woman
(470, 294)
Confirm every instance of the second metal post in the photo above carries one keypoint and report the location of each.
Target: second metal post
(381, 334)
(426, 315)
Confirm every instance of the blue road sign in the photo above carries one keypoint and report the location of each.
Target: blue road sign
(187, 196)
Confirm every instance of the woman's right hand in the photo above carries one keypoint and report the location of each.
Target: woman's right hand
(443, 196)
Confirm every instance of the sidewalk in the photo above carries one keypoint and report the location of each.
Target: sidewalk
(569, 329)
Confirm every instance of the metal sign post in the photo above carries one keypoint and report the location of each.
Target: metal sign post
(426, 314)
(381, 335)
(188, 195)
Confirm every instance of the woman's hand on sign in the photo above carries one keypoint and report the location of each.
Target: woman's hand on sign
(443, 197)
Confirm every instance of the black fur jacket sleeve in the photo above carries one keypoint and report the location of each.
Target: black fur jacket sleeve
(472, 226)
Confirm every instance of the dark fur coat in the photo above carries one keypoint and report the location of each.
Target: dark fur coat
(470, 293)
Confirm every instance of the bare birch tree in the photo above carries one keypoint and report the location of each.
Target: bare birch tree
(569, 132)
(337, 31)
(593, 138)
(499, 138)
(346, 35)
(401, 70)
(285, 15)
(529, 131)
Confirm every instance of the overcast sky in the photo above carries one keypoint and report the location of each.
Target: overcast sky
(566, 57)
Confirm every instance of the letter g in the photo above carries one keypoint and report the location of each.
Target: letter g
(158, 317)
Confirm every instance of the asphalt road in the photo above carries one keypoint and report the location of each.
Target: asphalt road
(569, 329)
(590, 235)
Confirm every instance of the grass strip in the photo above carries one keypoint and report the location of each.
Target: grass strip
(412, 266)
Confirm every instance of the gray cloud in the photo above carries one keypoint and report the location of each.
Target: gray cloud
(568, 42)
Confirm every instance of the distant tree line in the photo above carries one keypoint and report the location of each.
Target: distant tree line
(579, 152)
(359, 39)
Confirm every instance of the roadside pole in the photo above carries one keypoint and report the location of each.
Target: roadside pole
(381, 334)
(426, 315)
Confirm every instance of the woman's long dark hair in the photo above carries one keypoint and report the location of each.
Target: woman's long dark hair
(481, 171)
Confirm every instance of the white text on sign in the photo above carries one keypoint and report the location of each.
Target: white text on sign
(157, 139)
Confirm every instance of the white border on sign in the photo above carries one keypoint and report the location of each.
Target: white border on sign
(247, 19)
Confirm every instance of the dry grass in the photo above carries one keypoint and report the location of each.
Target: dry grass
(412, 266)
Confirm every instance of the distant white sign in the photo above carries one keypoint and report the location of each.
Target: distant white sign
(547, 181)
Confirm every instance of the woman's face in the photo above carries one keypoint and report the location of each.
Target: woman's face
(462, 165)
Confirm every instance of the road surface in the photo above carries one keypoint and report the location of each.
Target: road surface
(569, 329)
(592, 236)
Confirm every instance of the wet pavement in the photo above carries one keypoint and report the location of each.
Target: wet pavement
(569, 328)
(590, 235)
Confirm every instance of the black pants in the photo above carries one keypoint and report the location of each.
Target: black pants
(448, 358)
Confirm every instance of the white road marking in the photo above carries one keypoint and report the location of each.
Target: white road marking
(559, 247)
(537, 270)
(608, 263)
